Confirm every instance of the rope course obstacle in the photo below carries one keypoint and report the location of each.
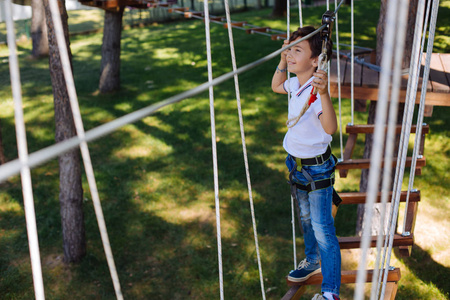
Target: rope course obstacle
(384, 282)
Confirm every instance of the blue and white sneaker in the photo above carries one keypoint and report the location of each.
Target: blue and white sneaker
(304, 271)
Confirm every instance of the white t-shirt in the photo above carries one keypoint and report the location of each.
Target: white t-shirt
(307, 138)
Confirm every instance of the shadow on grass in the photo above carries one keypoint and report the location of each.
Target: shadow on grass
(424, 267)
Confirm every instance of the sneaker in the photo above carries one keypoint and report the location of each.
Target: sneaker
(304, 271)
(320, 297)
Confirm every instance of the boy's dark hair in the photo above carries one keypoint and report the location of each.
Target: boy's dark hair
(315, 42)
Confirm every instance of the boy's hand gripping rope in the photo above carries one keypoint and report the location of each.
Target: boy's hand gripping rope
(327, 18)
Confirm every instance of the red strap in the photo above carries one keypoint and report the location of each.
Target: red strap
(312, 99)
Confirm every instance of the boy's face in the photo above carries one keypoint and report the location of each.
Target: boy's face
(299, 58)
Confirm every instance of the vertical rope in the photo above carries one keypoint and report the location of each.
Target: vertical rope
(244, 147)
(389, 151)
(407, 120)
(338, 64)
(25, 174)
(377, 150)
(68, 75)
(214, 146)
(423, 93)
(300, 13)
(352, 63)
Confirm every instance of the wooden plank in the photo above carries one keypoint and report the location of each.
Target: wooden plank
(295, 292)
(390, 291)
(438, 77)
(364, 163)
(334, 73)
(357, 74)
(276, 37)
(371, 78)
(235, 24)
(353, 242)
(360, 197)
(370, 128)
(410, 223)
(347, 277)
(190, 14)
(257, 29)
(445, 61)
(348, 152)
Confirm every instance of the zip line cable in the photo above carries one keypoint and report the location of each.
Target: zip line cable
(25, 173)
(68, 76)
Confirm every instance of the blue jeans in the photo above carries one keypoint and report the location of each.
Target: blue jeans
(321, 243)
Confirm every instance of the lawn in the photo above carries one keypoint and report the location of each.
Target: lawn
(155, 176)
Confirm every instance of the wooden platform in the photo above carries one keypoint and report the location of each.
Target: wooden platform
(366, 81)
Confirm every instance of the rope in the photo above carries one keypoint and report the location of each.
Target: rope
(214, 146)
(421, 105)
(27, 188)
(338, 64)
(352, 72)
(39, 157)
(376, 156)
(244, 147)
(312, 97)
(389, 152)
(68, 76)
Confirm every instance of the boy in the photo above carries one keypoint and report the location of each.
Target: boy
(307, 143)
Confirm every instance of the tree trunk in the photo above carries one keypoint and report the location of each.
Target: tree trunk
(2, 151)
(279, 8)
(71, 192)
(38, 30)
(375, 228)
(110, 65)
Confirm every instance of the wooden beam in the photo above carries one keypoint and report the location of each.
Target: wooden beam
(257, 29)
(353, 242)
(370, 128)
(411, 213)
(360, 198)
(347, 277)
(295, 292)
(364, 163)
(276, 37)
(235, 24)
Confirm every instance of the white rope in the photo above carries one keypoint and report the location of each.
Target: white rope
(244, 147)
(294, 244)
(45, 154)
(423, 93)
(300, 13)
(352, 72)
(389, 151)
(338, 70)
(214, 146)
(377, 150)
(27, 188)
(68, 75)
(404, 138)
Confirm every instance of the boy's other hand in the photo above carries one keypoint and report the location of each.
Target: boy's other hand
(320, 82)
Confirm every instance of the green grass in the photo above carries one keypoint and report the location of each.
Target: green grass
(155, 176)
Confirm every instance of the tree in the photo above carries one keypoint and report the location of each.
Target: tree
(70, 189)
(110, 65)
(375, 230)
(38, 30)
(279, 8)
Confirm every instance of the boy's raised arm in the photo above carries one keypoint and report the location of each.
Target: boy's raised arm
(280, 75)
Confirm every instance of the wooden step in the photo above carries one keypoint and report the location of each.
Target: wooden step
(235, 24)
(347, 277)
(257, 29)
(364, 163)
(353, 242)
(370, 128)
(276, 37)
(297, 289)
(190, 14)
(180, 9)
(360, 197)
